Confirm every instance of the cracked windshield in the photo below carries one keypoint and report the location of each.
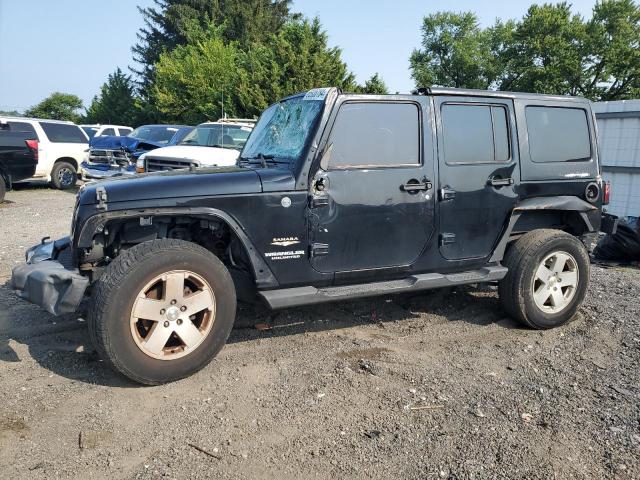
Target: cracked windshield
(283, 129)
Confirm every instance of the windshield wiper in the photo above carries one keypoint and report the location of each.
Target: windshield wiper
(262, 158)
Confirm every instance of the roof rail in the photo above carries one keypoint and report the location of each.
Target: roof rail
(422, 91)
(237, 120)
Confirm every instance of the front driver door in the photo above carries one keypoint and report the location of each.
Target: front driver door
(371, 205)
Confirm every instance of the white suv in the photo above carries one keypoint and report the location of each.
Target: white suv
(62, 147)
(98, 130)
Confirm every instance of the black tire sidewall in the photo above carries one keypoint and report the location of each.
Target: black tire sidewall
(54, 175)
(122, 349)
(536, 317)
(3, 188)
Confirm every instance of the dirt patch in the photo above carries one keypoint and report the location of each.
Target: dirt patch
(436, 385)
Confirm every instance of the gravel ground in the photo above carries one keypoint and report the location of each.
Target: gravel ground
(437, 385)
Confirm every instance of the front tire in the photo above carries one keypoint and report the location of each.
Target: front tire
(3, 188)
(64, 176)
(162, 310)
(547, 279)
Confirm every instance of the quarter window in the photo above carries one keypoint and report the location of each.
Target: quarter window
(63, 133)
(23, 127)
(558, 134)
(475, 134)
(375, 135)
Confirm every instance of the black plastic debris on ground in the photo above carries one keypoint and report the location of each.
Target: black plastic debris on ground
(622, 246)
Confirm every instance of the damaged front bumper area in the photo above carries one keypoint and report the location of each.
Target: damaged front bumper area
(48, 279)
(100, 171)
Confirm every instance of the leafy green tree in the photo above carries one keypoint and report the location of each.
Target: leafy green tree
(116, 103)
(57, 106)
(295, 59)
(375, 85)
(612, 51)
(167, 24)
(192, 80)
(547, 52)
(550, 50)
(455, 52)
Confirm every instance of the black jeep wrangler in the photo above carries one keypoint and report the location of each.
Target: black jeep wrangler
(335, 196)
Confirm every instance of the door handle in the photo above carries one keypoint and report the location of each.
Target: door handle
(500, 182)
(447, 194)
(415, 186)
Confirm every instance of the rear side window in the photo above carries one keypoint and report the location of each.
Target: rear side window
(558, 134)
(22, 127)
(63, 133)
(475, 134)
(376, 135)
(108, 131)
(125, 131)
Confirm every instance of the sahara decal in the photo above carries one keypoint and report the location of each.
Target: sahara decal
(285, 241)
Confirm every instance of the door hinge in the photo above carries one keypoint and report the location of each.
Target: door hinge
(101, 198)
(319, 249)
(447, 238)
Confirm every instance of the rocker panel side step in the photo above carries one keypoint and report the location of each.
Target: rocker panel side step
(291, 297)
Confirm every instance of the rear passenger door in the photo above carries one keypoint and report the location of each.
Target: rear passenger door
(478, 173)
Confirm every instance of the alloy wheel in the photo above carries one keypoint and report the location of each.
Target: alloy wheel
(173, 314)
(555, 282)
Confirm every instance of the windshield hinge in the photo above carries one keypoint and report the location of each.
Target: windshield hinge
(101, 197)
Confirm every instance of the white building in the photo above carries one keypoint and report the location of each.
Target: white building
(619, 139)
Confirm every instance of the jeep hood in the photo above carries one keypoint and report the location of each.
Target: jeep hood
(177, 184)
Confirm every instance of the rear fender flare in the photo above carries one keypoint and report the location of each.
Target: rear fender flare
(564, 203)
(262, 273)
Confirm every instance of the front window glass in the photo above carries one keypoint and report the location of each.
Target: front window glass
(221, 136)
(284, 129)
(90, 131)
(156, 134)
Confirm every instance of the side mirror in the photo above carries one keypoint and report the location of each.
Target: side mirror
(326, 157)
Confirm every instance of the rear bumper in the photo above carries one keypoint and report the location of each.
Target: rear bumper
(45, 281)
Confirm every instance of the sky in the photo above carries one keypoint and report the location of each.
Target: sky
(73, 45)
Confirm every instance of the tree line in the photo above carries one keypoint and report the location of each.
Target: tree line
(196, 59)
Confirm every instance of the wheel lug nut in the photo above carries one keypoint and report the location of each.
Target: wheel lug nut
(166, 324)
(179, 322)
(162, 312)
(173, 302)
(183, 308)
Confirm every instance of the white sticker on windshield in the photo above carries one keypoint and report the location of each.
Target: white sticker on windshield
(246, 129)
(316, 94)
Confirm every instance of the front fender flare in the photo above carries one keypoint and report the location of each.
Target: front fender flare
(96, 223)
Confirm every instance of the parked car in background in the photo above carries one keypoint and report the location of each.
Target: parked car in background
(105, 130)
(210, 144)
(62, 147)
(117, 155)
(18, 156)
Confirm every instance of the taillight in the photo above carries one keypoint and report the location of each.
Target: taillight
(33, 145)
(606, 194)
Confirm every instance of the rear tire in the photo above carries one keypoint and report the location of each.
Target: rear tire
(547, 279)
(64, 176)
(162, 310)
(3, 188)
